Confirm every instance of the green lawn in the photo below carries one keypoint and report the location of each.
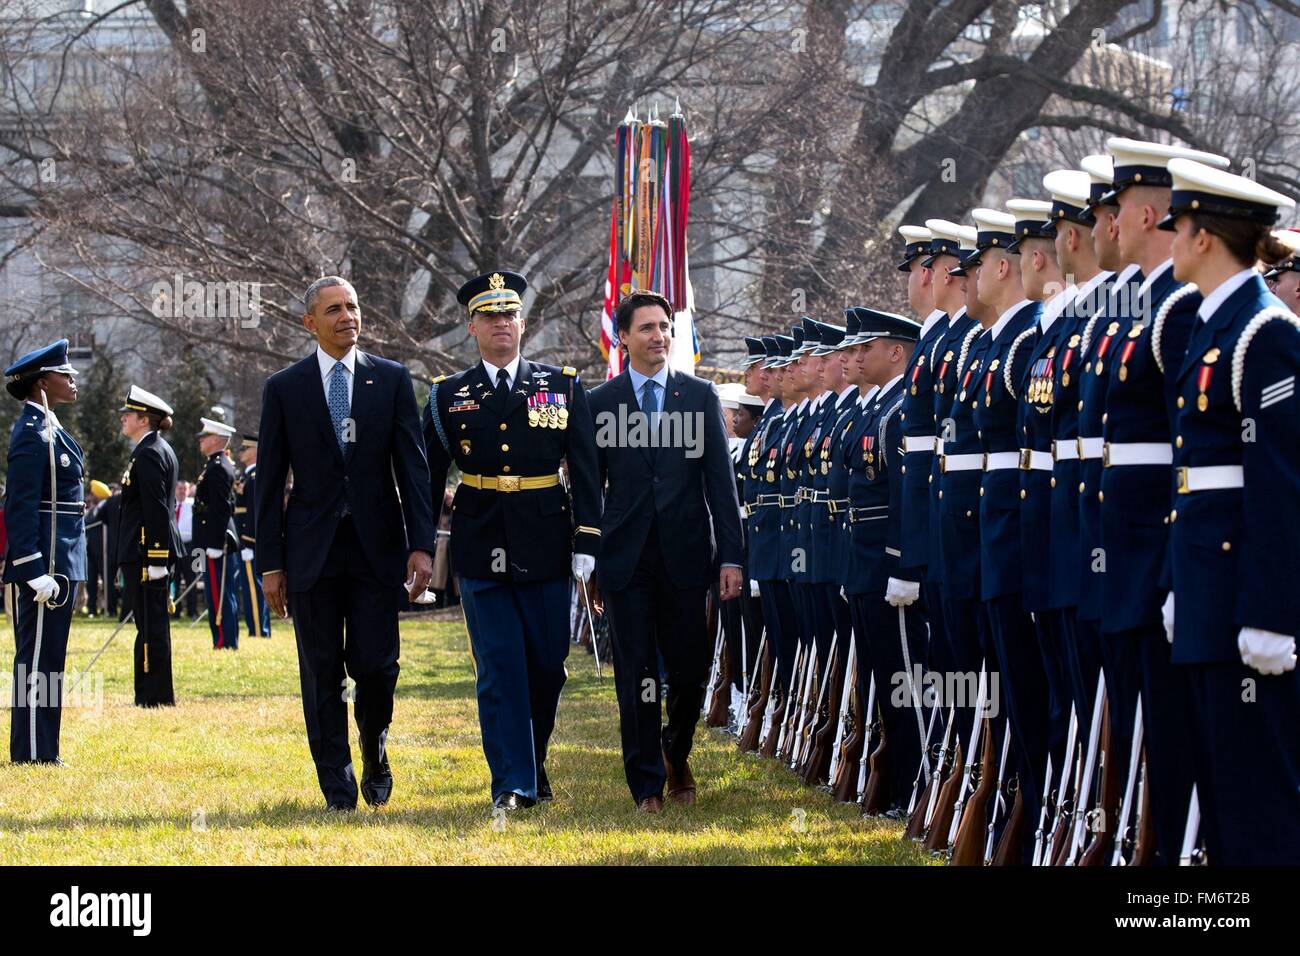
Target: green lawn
(225, 777)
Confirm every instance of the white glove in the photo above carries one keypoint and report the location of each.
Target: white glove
(214, 553)
(46, 588)
(1266, 651)
(584, 565)
(842, 594)
(156, 573)
(902, 593)
(426, 597)
(1167, 614)
(245, 554)
(753, 588)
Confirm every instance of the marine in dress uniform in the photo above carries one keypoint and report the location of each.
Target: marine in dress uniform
(148, 541)
(214, 533)
(257, 616)
(1136, 454)
(1233, 608)
(515, 531)
(45, 549)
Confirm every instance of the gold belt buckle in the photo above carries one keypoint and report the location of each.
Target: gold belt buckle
(1026, 459)
(508, 483)
(1183, 489)
(943, 464)
(1078, 443)
(1105, 455)
(1054, 458)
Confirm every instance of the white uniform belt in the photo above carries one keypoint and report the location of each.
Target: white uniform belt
(949, 463)
(1001, 460)
(1209, 478)
(1065, 450)
(913, 443)
(1137, 453)
(1090, 447)
(1033, 460)
(64, 507)
(766, 501)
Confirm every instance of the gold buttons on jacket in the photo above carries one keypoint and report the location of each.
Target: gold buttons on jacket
(1173, 515)
(503, 426)
(1053, 482)
(940, 495)
(1081, 487)
(1023, 494)
(505, 468)
(1101, 496)
(1178, 442)
(1181, 401)
(505, 447)
(1227, 546)
(981, 492)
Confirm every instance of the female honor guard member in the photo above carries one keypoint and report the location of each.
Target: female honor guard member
(1233, 615)
(46, 552)
(148, 541)
(508, 423)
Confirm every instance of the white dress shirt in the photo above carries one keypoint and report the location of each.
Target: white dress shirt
(326, 363)
(512, 372)
(1210, 304)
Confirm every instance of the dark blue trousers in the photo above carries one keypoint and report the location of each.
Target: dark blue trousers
(252, 603)
(520, 636)
(1247, 757)
(782, 629)
(38, 673)
(223, 600)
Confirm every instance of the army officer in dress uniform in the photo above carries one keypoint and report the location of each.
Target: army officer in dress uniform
(45, 555)
(148, 541)
(508, 423)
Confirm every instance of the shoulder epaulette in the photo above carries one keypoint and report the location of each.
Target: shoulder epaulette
(440, 378)
(569, 370)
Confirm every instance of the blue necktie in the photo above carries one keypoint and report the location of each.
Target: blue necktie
(338, 400)
(650, 398)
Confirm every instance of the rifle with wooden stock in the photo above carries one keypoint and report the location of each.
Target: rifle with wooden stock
(1083, 795)
(1010, 848)
(816, 766)
(842, 710)
(1049, 817)
(844, 777)
(1125, 835)
(811, 704)
(920, 798)
(968, 847)
(999, 802)
(924, 812)
(875, 798)
(981, 699)
(791, 703)
(778, 703)
(797, 712)
(936, 835)
(756, 703)
(1104, 817)
(718, 676)
(868, 731)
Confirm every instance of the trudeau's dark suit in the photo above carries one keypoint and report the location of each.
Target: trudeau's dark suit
(342, 542)
(669, 521)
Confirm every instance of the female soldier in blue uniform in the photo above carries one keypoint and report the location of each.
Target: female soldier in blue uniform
(46, 553)
(1233, 615)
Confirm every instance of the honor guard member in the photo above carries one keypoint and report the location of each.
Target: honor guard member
(257, 616)
(1027, 360)
(148, 541)
(782, 464)
(96, 539)
(1054, 384)
(1283, 279)
(214, 532)
(508, 424)
(1236, 425)
(1119, 289)
(887, 617)
(841, 401)
(766, 518)
(1136, 457)
(917, 418)
(45, 550)
(954, 524)
(990, 389)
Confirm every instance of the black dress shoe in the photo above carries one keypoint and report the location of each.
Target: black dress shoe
(376, 783)
(510, 801)
(338, 807)
(544, 794)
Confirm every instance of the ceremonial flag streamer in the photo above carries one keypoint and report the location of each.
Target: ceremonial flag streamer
(647, 230)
